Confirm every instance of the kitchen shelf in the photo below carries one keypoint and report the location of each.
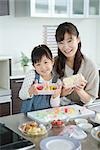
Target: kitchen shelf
(5, 92)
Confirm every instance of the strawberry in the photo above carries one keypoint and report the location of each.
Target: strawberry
(40, 87)
(57, 123)
(66, 110)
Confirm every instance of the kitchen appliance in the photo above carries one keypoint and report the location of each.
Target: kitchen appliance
(11, 140)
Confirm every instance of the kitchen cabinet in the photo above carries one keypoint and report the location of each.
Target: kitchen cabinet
(58, 8)
(15, 87)
(4, 7)
(78, 8)
(4, 109)
(49, 8)
(42, 8)
(5, 72)
(5, 92)
(84, 8)
(93, 9)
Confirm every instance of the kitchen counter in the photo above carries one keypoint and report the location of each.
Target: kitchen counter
(17, 76)
(14, 121)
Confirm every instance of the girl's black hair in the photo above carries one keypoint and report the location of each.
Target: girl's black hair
(60, 60)
(38, 52)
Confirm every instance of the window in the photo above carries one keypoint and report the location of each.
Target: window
(49, 38)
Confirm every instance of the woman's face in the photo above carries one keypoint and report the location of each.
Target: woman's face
(69, 45)
(44, 67)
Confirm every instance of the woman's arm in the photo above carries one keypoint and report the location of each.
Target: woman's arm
(89, 92)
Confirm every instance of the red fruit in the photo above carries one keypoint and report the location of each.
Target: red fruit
(40, 87)
(57, 123)
(66, 110)
(53, 122)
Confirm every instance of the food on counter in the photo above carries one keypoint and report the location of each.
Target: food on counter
(57, 123)
(70, 110)
(28, 126)
(73, 80)
(33, 128)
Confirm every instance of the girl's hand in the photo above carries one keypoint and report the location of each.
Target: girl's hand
(66, 91)
(33, 90)
(57, 92)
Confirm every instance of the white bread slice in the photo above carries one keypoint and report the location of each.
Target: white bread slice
(73, 80)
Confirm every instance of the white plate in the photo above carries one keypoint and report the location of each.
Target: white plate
(94, 133)
(59, 143)
(94, 120)
(86, 126)
(81, 120)
(73, 131)
(46, 89)
(62, 113)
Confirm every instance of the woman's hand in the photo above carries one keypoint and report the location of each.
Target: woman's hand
(80, 90)
(80, 86)
(66, 91)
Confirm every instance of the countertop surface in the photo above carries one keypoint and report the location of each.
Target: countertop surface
(14, 121)
(17, 76)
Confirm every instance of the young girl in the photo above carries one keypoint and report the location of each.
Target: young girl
(43, 62)
(71, 61)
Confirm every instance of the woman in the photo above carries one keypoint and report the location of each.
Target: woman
(71, 61)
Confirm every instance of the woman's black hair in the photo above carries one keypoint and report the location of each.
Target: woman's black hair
(38, 52)
(60, 60)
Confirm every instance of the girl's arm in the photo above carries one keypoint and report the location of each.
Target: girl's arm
(55, 102)
(55, 98)
(27, 83)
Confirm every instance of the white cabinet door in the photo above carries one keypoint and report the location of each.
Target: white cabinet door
(40, 8)
(49, 8)
(60, 8)
(78, 8)
(93, 8)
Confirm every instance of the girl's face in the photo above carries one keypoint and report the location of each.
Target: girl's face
(69, 45)
(44, 67)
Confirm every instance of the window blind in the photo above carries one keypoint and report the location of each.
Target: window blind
(49, 38)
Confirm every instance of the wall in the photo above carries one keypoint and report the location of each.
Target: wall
(98, 43)
(22, 34)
